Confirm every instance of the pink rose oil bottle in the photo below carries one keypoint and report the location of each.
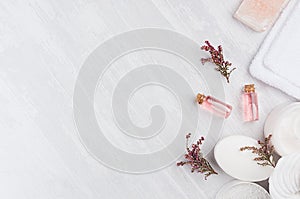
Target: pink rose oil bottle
(250, 103)
(214, 105)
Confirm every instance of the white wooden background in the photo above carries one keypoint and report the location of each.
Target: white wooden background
(43, 44)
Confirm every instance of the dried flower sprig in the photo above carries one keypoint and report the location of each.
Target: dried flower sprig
(195, 158)
(265, 152)
(217, 58)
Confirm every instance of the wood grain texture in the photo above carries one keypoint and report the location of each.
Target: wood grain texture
(42, 47)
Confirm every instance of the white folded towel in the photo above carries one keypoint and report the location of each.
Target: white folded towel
(277, 63)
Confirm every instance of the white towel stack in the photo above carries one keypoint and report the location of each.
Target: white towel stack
(277, 63)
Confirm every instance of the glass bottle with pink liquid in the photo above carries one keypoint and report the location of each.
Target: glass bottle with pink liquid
(214, 105)
(250, 103)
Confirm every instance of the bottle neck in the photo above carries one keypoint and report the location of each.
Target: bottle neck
(248, 92)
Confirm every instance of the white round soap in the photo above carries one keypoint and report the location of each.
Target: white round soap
(284, 125)
(240, 164)
(242, 190)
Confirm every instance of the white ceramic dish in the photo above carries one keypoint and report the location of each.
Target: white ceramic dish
(284, 125)
(242, 190)
(240, 164)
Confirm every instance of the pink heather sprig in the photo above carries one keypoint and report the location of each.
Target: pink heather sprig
(265, 152)
(195, 158)
(218, 59)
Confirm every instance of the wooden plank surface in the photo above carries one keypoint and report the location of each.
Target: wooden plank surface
(43, 45)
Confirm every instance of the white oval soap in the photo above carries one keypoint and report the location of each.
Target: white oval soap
(240, 164)
(284, 125)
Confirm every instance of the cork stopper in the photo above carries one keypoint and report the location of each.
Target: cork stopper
(249, 88)
(200, 98)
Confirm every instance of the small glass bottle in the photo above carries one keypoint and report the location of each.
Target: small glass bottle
(250, 103)
(214, 105)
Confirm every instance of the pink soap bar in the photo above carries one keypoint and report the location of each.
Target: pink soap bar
(259, 14)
